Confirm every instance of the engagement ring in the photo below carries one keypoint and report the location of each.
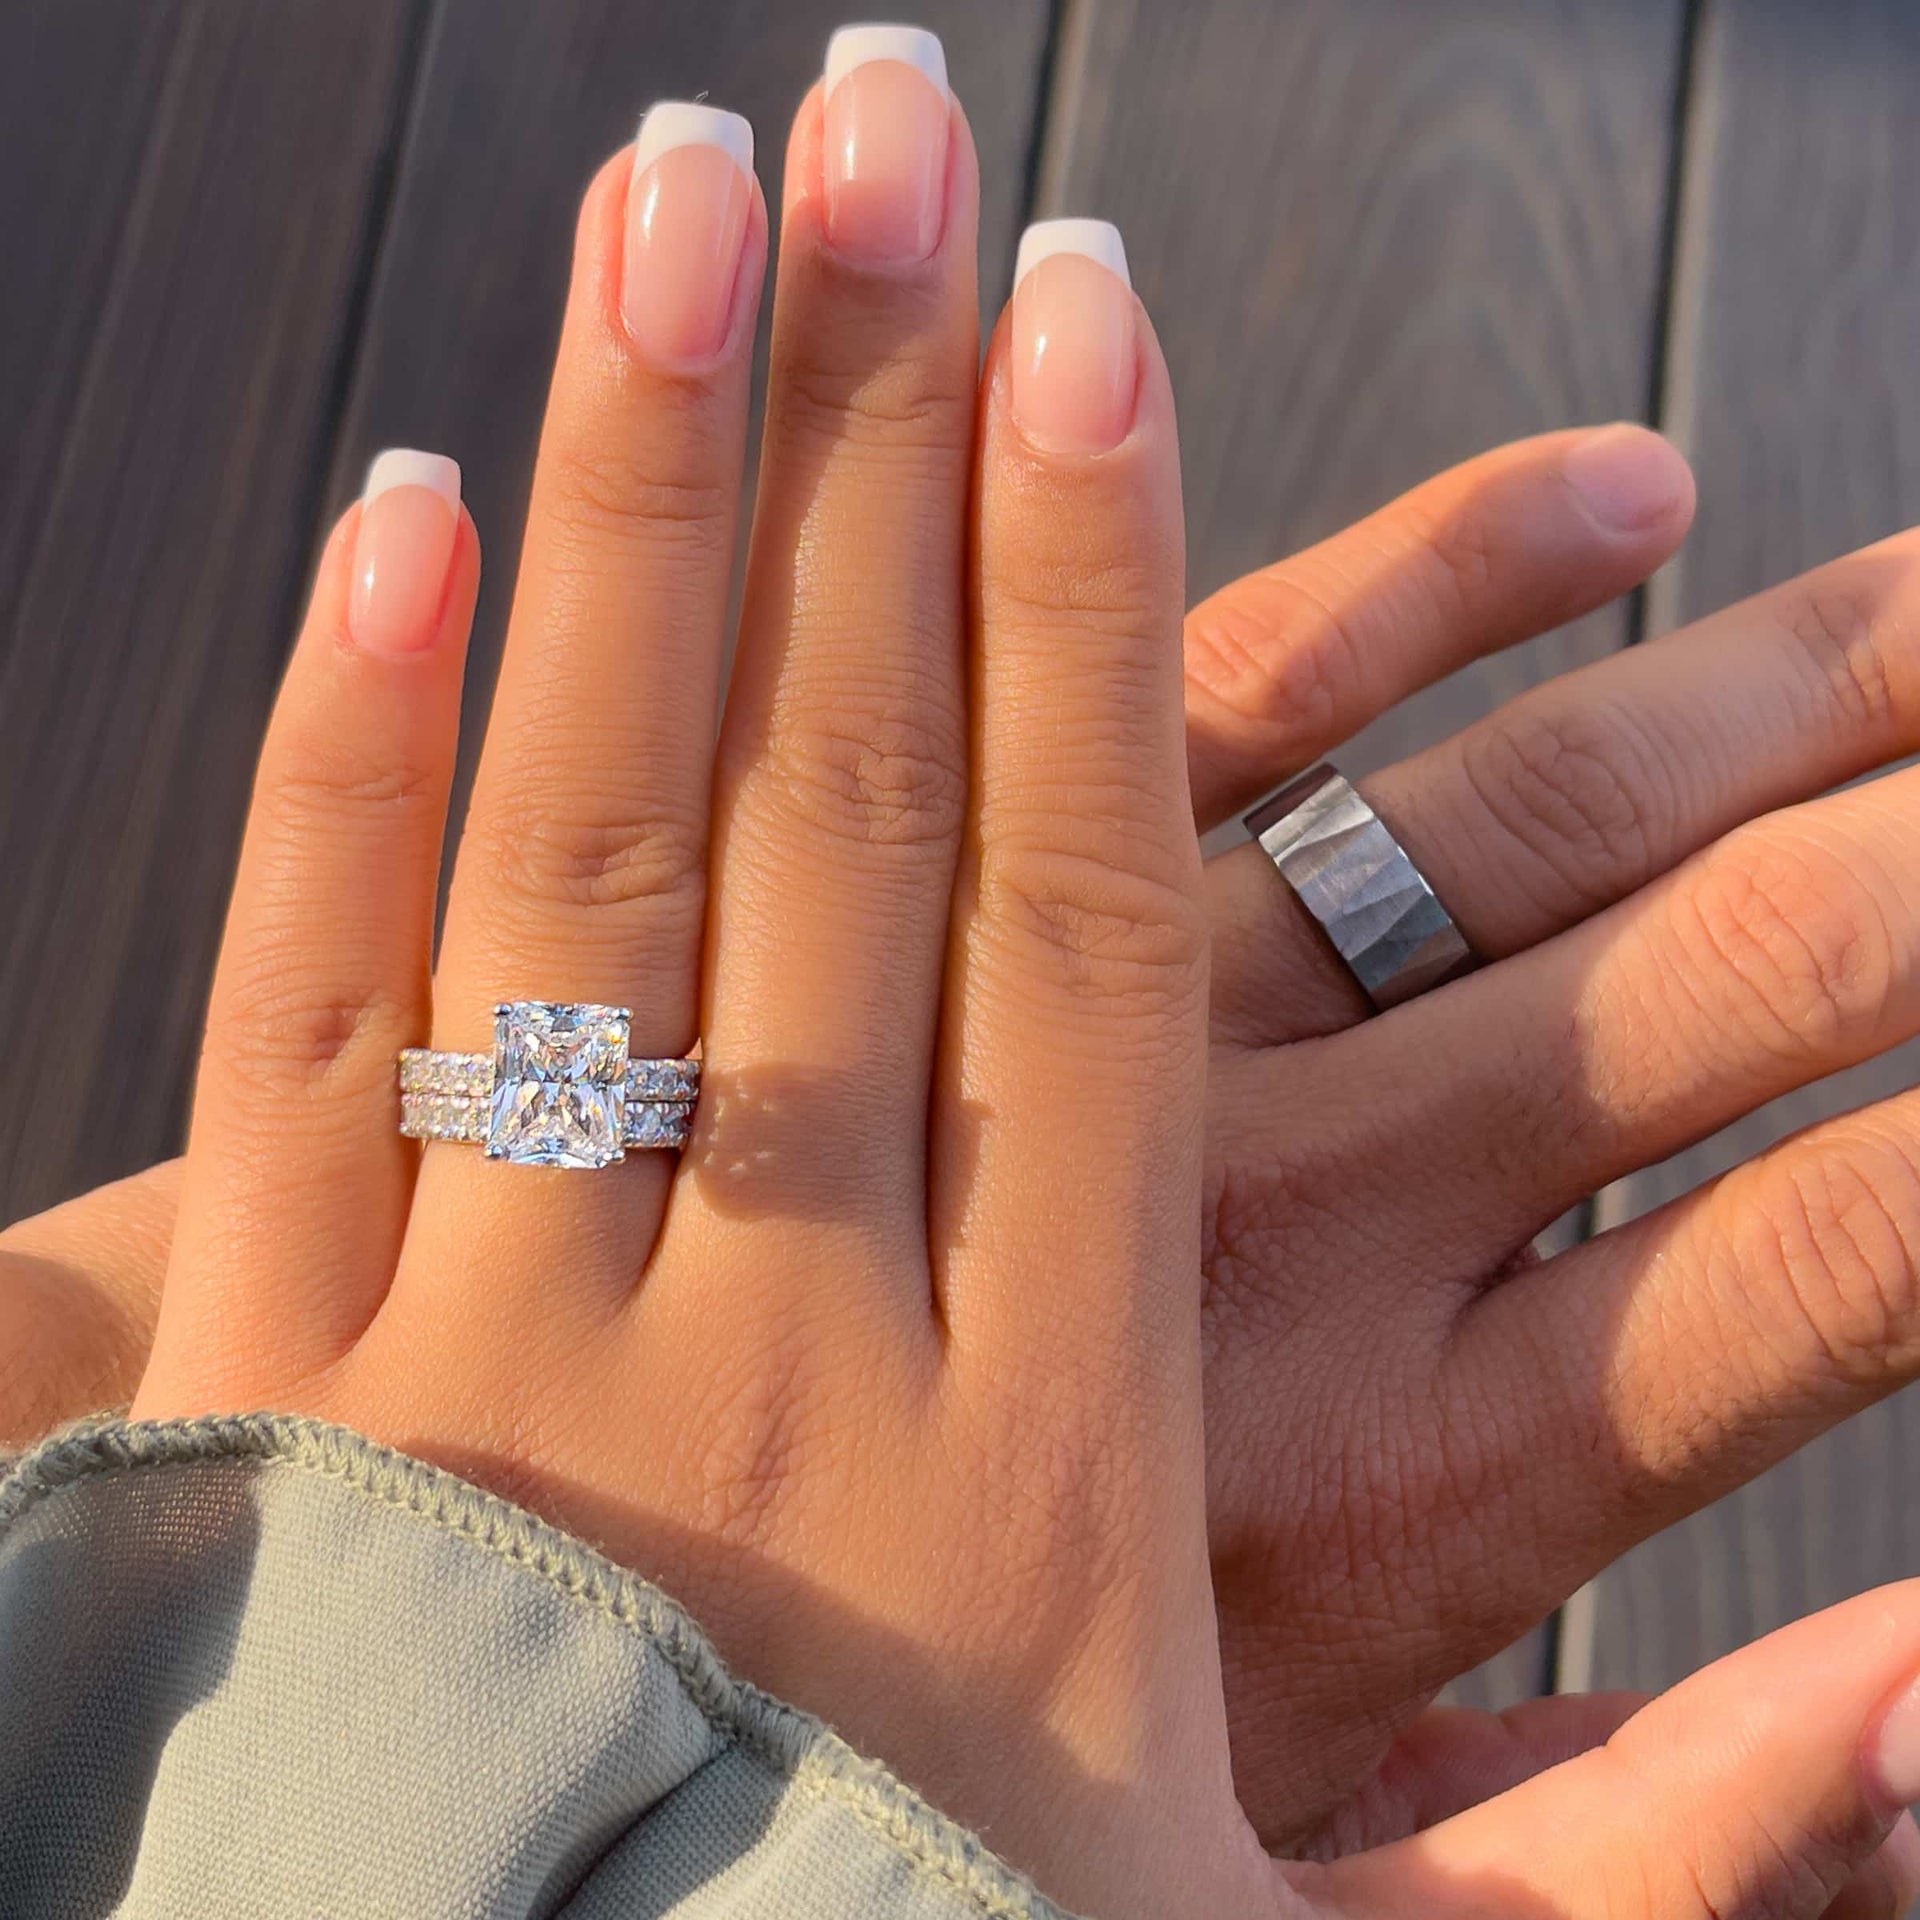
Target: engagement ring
(558, 1090)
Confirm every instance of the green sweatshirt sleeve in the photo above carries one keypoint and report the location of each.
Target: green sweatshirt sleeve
(263, 1667)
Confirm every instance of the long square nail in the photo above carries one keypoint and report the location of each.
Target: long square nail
(887, 108)
(687, 209)
(1074, 352)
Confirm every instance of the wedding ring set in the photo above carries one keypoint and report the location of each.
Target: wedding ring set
(561, 1089)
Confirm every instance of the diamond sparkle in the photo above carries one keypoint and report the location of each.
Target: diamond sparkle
(559, 1084)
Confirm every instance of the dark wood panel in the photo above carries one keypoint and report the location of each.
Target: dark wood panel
(80, 89)
(1517, 1674)
(1376, 238)
(148, 629)
(1795, 387)
(518, 106)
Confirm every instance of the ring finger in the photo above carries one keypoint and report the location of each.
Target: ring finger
(1582, 790)
(1785, 952)
(842, 775)
(581, 874)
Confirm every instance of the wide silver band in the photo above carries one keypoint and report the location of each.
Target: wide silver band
(1355, 878)
(558, 1090)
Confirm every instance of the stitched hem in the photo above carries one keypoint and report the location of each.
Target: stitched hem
(795, 1744)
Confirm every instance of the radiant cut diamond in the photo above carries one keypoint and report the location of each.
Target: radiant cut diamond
(559, 1085)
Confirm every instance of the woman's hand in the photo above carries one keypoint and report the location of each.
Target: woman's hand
(897, 1380)
(79, 1293)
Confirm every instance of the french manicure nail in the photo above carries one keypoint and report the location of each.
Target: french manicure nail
(1073, 344)
(409, 514)
(687, 212)
(1894, 1754)
(1629, 478)
(887, 107)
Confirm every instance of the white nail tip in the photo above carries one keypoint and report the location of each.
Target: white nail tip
(689, 123)
(853, 47)
(1093, 239)
(403, 467)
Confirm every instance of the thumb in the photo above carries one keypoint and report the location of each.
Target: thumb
(1759, 1787)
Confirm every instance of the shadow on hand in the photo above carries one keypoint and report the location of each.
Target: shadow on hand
(765, 1143)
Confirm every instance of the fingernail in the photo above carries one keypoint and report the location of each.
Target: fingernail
(1073, 345)
(409, 514)
(1629, 478)
(687, 212)
(1894, 1756)
(886, 143)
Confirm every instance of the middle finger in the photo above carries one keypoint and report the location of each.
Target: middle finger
(842, 775)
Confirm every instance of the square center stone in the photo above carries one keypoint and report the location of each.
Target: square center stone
(559, 1085)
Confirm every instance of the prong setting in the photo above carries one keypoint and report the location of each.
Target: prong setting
(559, 1089)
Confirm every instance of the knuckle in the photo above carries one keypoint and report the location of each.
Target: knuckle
(608, 490)
(1281, 657)
(312, 785)
(1835, 1223)
(1839, 631)
(1047, 587)
(1113, 931)
(1799, 935)
(876, 779)
(914, 399)
(1576, 792)
(1298, 646)
(278, 1028)
(1461, 550)
(592, 862)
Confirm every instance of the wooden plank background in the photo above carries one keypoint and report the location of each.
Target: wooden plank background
(1792, 384)
(199, 332)
(250, 241)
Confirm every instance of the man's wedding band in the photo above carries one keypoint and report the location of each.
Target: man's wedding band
(1355, 878)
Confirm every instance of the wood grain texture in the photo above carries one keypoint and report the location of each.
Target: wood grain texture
(518, 106)
(146, 631)
(1794, 385)
(187, 368)
(80, 88)
(1376, 238)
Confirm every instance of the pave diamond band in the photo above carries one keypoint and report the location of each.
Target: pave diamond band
(558, 1090)
(466, 1120)
(1355, 878)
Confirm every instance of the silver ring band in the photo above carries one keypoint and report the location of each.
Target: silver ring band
(470, 1075)
(467, 1120)
(1355, 878)
(558, 1090)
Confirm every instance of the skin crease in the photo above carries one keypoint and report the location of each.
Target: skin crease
(755, 1539)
